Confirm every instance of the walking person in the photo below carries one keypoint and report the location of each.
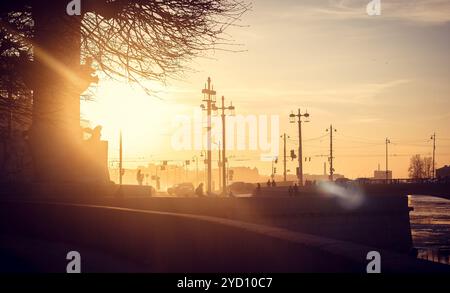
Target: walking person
(139, 177)
(295, 189)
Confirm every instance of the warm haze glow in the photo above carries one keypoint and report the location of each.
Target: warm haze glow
(371, 77)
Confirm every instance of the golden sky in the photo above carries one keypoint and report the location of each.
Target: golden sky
(372, 77)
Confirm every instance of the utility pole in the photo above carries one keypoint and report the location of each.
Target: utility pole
(186, 175)
(224, 158)
(158, 184)
(292, 118)
(202, 155)
(195, 159)
(387, 158)
(284, 156)
(120, 158)
(220, 168)
(274, 160)
(209, 99)
(433, 137)
(331, 130)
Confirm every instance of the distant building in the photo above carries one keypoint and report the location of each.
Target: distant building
(247, 174)
(443, 172)
(380, 175)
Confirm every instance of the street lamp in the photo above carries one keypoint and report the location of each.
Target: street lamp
(231, 111)
(284, 136)
(388, 141)
(330, 159)
(205, 161)
(209, 98)
(298, 118)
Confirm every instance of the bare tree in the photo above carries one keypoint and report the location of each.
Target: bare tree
(420, 167)
(133, 39)
(428, 167)
(137, 39)
(15, 99)
(156, 39)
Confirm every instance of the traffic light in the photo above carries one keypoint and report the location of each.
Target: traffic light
(275, 170)
(276, 160)
(293, 155)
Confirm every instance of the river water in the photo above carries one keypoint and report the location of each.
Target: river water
(430, 227)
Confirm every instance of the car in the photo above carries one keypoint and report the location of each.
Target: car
(183, 189)
(241, 188)
(342, 181)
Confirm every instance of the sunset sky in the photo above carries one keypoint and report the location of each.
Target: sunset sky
(372, 77)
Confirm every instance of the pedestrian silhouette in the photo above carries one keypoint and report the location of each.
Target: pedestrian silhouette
(139, 177)
(199, 190)
(268, 183)
(273, 183)
(295, 189)
(258, 188)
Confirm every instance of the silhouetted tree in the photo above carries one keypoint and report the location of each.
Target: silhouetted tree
(420, 167)
(135, 39)
(15, 99)
(428, 167)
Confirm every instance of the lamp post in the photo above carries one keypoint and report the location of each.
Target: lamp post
(284, 136)
(202, 155)
(433, 137)
(219, 164)
(331, 130)
(209, 98)
(274, 160)
(120, 158)
(387, 158)
(231, 109)
(195, 159)
(293, 117)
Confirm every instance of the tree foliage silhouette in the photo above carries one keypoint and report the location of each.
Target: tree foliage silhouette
(139, 40)
(135, 39)
(420, 167)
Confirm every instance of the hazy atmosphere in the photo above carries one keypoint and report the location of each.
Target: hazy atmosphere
(371, 77)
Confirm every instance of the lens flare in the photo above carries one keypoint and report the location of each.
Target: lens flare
(348, 196)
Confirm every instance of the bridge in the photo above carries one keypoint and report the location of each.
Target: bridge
(432, 187)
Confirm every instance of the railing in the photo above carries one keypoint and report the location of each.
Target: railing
(403, 181)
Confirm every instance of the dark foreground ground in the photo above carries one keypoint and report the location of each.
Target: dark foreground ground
(36, 237)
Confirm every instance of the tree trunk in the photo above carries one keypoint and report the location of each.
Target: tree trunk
(55, 134)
